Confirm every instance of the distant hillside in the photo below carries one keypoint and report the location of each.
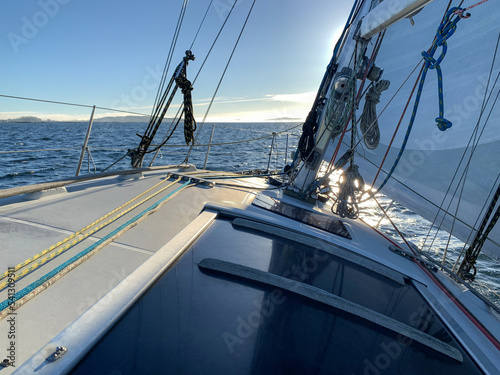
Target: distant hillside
(289, 119)
(123, 119)
(23, 119)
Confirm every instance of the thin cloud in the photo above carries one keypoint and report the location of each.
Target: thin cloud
(228, 101)
(305, 97)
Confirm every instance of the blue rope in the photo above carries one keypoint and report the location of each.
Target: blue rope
(445, 30)
(55, 271)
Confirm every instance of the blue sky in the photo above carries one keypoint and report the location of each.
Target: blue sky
(111, 53)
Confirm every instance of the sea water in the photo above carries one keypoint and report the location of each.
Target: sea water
(40, 152)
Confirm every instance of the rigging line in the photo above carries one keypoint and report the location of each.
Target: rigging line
(376, 49)
(215, 41)
(494, 340)
(170, 54)
(329, 170)
(156, 111)
(483, 108)
(445, 251)
(404, 82)
(249, 130)
(388, 103)
(201, 24)
(487, 224)
(221, 78)
(484, 285)
(70, 104)
(464, 173)
(116, 162)
(350, 92)
(301, 165)
(41, 150)
(158, 150)
(464, 178)
(331, 102)
(167, 137)
(399, 123)
(395, 227)
(475, 5)
(483, 208)
(445, 31)
(410, 189)
(235, 142)
(89, 159)
(474, 134)
(352, 16)
(199, 71)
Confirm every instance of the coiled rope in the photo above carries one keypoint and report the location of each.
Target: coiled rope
(306, 141)
(189, 122)
(369, 121)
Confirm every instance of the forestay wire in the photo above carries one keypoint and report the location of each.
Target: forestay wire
(168, 61)
(186, 160)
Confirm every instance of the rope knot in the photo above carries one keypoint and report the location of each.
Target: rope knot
(443, 123)
(460, 12)
(430, 61)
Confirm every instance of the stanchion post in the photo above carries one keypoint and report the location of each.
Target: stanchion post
(84, 146)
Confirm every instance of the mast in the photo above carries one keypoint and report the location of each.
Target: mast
(335, 104)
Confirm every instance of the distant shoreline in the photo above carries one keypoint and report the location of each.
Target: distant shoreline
(127, 119)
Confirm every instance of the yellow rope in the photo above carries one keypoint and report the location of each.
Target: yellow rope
(80, 236)
(4, 311)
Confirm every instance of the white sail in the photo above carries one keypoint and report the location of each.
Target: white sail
(427, 169)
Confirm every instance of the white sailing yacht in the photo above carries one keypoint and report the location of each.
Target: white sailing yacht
(183, 270)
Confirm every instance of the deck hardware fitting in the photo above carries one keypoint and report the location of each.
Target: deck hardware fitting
(6, 363)
(60, 351)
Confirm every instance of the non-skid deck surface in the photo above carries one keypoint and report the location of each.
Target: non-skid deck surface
(27, 227)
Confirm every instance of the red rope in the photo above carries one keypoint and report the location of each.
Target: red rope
(372, 58)
(397, 127)
(462, 308)
(475, 5)
(457, 302)
(461, 12)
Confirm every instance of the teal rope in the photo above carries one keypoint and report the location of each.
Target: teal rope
(445, 30)
(241, 176)
(54, 272)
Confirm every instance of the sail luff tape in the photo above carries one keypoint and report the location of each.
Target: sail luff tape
(42, 283)
(53, 247)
